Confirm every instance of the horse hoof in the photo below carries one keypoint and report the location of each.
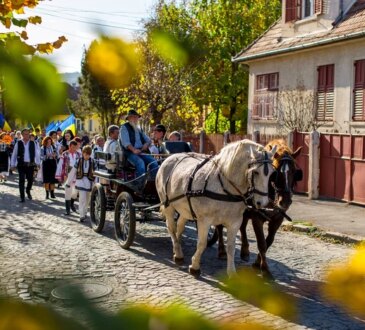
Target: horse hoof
(256, 265)
(222, 255)
(245, 257)
(195, 272)
(179, 261)
(267, 276)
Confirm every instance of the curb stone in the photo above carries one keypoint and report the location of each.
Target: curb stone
(343, 238)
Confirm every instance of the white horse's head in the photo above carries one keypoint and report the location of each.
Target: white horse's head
(249, 166)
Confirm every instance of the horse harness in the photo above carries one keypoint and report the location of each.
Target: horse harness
(227, 196)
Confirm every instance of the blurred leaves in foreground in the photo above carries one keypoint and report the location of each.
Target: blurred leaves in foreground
(16, 315)
(249, 287)
(113, 61)
(31, 86)
(345, 283)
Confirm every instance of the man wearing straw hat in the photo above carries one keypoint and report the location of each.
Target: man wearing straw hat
(135, 144)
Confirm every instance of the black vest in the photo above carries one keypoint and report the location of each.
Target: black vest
(132, 136)
(21, 151)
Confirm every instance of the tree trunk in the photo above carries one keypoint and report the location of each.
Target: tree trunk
(216, 121)
(232, 122)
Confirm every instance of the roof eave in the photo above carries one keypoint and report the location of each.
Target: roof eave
(322, 42)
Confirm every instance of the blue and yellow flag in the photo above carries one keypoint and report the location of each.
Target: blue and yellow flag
(69, 123)
(4, 124)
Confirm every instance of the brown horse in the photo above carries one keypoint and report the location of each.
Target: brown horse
(281, 192)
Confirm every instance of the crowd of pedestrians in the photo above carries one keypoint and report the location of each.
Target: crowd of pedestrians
(59, 158)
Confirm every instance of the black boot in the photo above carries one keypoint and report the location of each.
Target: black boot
(52, 194)
(72, 205)
(68, 205)
(47, 194)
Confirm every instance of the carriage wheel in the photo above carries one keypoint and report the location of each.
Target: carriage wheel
(124, 220)
(97, 208)
(212, 236)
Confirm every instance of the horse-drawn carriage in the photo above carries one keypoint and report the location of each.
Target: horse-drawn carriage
(211, 190)
(117, 191)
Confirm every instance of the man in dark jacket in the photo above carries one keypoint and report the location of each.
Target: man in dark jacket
(25, 157)
(135, 144)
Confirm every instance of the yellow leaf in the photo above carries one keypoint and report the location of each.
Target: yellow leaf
(57, 44)
(24, 35)
(35, 19)
(46, 48)
(7, 23)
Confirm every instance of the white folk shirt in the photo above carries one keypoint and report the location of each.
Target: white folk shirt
(83, 184)
(73, 158)
(14, 157)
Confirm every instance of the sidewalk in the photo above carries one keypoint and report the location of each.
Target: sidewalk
(338, 220)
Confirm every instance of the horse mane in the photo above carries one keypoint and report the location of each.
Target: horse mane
(237, 153)
(281, 151)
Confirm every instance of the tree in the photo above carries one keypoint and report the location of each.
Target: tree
(296, 109)
(161, 90)
(95, 98)
(230, 26)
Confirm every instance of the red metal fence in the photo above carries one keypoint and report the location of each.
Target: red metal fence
(342, 167)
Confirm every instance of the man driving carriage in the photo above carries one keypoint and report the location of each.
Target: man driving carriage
(135, 144)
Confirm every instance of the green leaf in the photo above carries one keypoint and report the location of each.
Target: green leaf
(20, 22)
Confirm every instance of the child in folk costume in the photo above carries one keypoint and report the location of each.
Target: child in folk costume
(67, 161)
(83, 172)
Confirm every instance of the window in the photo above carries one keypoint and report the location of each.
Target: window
(265, 95)
(299, 9)
(79, 125)
(359, 91)
(90, 125)
(325, 92)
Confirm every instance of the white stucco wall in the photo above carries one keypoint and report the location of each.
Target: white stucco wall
(302, 66)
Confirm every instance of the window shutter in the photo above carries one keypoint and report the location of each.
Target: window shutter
(290, 10)
(359, 91)
(325, 92)
(318, 7)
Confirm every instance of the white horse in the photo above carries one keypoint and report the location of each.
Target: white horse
(217, 193)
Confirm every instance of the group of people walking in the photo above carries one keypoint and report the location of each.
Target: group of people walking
(69, 160)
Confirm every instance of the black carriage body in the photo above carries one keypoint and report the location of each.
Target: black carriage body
(115, 190)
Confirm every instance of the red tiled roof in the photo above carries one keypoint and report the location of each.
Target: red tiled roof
(352, 25)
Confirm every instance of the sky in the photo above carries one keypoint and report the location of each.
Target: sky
(81, 21)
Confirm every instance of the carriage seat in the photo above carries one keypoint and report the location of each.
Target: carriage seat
(122, 162)
(174, 147)
(104, 174)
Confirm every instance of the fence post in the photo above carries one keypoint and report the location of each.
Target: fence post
(225, 138)
(201, 142)
(313, 171)
(256, 136)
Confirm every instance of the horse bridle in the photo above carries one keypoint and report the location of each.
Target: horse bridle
(266, 162)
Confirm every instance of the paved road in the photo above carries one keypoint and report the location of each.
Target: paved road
(40, 248)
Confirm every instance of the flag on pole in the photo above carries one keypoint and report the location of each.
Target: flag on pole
(4, 124)
(69, 123)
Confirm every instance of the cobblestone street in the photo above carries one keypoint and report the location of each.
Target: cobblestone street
(40, 248)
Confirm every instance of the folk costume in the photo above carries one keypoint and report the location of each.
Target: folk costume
(26, 158)
(49, 167)
(83, 174)
(66, 163)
